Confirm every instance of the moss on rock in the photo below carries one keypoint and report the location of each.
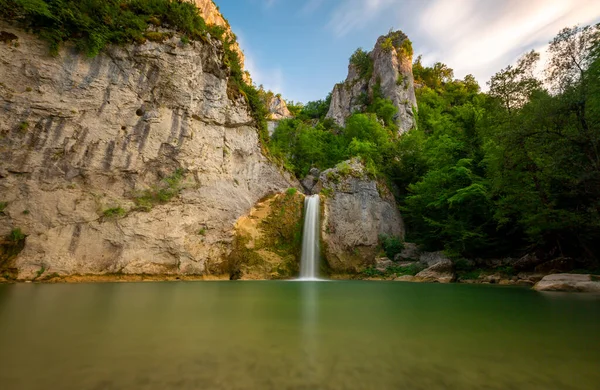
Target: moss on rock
(268, 240)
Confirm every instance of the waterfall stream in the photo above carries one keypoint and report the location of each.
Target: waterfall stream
(309, 262)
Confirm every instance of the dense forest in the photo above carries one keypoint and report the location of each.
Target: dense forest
(511, 171)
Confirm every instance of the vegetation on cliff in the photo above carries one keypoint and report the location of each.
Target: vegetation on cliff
(269, 246)
(91, 25)
(310, 140)
(510, 171)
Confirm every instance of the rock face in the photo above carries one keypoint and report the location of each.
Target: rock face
(268, 239)
(410, 252)
(356, 210)
(309, 182)
(136, 161)
(278, 109)
(212, 16)
(569, 282)
(440, 272)
(392, 72)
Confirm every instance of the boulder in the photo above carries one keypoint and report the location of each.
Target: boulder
(441, 272)
(430, 258)
(569, 283)
(526, 263)
(383, 263)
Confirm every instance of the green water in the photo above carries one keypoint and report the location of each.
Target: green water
(291, 335)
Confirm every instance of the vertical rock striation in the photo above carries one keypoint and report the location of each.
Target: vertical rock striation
(135, 161)
(212, 16)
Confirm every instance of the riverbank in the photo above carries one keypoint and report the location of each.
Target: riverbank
(114, 278)
(565, 282)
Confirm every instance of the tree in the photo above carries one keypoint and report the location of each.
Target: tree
(513, 85)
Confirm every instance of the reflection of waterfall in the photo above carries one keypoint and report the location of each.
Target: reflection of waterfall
(309, 262)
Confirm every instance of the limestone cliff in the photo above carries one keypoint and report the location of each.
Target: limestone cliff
(356, 211)
(135, 161)
(391, 71)
(212, 16)
(278, 108)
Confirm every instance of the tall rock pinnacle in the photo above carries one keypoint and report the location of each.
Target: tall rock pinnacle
(390, 69)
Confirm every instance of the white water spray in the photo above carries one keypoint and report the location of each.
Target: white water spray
(309, 262)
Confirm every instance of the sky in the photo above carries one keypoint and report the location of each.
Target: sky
(300, 48)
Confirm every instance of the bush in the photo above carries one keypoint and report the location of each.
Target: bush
(406, 48)
(161, 193)
(291, 191)
(3, 207)
(16, 235)
(115, 212)
(391, 245)
(363, 63)
(93, 24)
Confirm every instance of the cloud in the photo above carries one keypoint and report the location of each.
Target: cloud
(311, 6)
(356, 14)
(483, 36)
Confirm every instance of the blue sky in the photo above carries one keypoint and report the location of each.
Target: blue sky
(301, 48)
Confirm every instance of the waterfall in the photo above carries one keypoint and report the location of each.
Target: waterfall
(309, 263)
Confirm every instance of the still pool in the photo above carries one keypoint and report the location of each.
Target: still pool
(296, 335)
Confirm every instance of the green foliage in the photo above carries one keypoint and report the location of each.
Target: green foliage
(16, 235)
(483, 174)
(406, 48)
(291, 191)
(40, 272)
(400, 79)
(202, 232)
(387, 45)
(23, 126)
(327, 192)
(3, 207)
(161, 193)
(363, 63)
(391, 245)
(114, 212)
(411, 270)
(93, 24)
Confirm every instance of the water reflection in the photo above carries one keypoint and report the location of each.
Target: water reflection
(310, 335)
(309, 319)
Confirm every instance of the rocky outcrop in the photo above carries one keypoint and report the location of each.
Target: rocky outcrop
(309, 182)
(440, 272)
(278, 108)
(135, 161)
(410, 252)
(277, 111)
(212, 16)
(392, 73)
(268, 239)
(569, 283)
(357, 209)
